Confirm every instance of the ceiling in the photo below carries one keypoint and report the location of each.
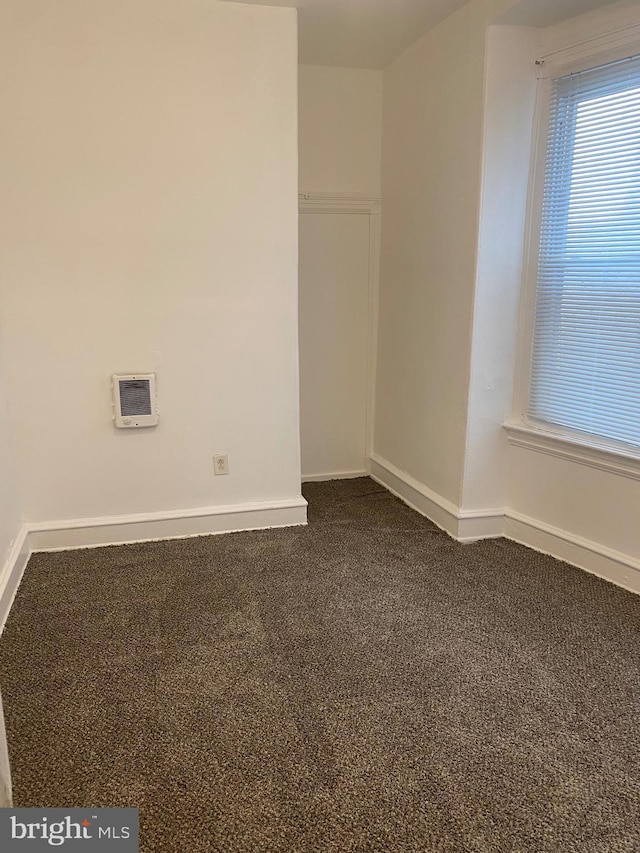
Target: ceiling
(361, 33)
(372, 33)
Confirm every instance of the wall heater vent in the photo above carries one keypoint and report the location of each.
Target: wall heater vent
(134, 400)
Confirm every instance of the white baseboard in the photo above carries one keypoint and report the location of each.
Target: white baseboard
(12, 572)
(336, 475)
(462, 525)
(178, 524)
(472, 525)
(475, 524)
(442, 512)
(70, 534)
(614, 566)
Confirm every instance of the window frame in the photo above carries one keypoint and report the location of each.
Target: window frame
(522, 429)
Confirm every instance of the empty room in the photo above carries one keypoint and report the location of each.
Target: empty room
(320, 426)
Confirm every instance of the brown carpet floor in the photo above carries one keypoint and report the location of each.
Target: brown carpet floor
(363, 684)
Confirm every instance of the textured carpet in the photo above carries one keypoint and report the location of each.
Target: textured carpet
(363, 684)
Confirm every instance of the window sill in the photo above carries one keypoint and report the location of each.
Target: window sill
(564, 447)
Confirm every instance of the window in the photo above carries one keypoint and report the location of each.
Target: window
(585, 367)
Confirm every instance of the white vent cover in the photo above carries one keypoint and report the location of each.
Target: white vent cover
(134, 400)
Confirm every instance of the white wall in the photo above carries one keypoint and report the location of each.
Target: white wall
(340, 116)
(10, 510)
(583, 503)
(577, 511)
(148, 222)
(432, 131)
(586, 503)
(458, 114)
(340, 133)
(510, 93)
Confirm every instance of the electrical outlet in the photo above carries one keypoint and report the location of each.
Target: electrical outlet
(220, 464)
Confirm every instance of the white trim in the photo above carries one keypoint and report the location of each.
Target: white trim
(335, 475)
(564, 446)
(470, 525)
(336, 203)
(466, 525)
(315, 202)
(463, 525)
(531, 247)
(600, 34)
(71, 534)
(614, 566)
(372, 325)
(476, 524)
(415, 494)
(178, 524)
(589, 54)
(12, 572)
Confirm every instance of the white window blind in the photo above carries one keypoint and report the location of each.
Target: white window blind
(586, 347)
